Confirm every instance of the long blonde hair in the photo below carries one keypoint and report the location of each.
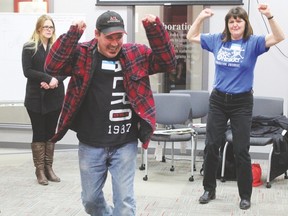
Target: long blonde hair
(36, 39)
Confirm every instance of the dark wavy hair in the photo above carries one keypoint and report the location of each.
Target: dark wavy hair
(237, 12)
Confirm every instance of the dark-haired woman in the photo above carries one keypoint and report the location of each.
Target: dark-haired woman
(235, 50)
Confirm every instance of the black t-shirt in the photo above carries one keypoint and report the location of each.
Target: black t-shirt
(106, 117)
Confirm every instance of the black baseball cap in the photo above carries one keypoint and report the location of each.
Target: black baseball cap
(110, 22)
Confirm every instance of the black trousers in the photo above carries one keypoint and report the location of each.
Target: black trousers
(43, 125)
(238, 109)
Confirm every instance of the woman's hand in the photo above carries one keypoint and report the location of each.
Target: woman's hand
(53, 83)
(265, 10)
(44, 85)
(205, 13)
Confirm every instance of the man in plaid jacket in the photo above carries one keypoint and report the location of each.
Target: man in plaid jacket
(109, 103)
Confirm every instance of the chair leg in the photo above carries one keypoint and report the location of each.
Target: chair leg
(164, 152)
(222, 178)
(191, 178)
(172, 155)
(142, 166)
(268, 184)
(145, 178)
(195, 149)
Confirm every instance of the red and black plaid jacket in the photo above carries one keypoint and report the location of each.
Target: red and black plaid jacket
(70, 58)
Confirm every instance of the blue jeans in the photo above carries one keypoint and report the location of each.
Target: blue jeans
(94, 165)
(237, 109)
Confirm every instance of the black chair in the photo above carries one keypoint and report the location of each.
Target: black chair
(200, 106)
(263, 106)
(171, 109)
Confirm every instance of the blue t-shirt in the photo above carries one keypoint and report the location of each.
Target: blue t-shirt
(234, 61)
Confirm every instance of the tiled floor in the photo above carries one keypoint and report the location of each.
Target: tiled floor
(164, 194)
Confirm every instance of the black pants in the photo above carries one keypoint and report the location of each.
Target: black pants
(43, 125)
(238, 109)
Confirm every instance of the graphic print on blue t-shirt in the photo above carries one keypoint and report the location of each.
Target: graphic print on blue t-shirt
(230, 57)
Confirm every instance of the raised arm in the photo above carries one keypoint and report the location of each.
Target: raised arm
(194, 33)
(277, 34)
(162, 56)
(59, 60)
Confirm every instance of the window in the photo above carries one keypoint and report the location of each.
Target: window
(165, 2)
(177, 19)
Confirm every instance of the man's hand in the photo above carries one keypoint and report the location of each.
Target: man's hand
(149, 18)
(80, 24)
(145, 145)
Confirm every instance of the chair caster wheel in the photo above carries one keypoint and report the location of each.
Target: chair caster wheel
(222, 179)
(268, 185)
(145, 178)
(191, 179)
(202, 172)
(172, 169)
(142, 167)
(163, 159)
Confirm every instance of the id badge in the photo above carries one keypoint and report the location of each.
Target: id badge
(108, 65)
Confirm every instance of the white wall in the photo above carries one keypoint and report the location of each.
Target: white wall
(6, 6)
(16, 29)
(271, 71)
(89, 9)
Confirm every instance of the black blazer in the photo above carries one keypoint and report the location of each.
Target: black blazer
(37, 99)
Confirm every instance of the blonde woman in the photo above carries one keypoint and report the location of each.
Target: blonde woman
(43, 99)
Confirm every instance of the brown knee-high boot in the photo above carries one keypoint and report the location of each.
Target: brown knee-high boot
(49, 153)
(38, 152)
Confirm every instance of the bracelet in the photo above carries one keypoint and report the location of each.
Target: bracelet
(269, 18)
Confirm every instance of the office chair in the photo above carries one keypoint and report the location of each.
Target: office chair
(171, 109)
(200, 106)
(263, 106)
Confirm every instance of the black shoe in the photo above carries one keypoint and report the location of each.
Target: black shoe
(245, 204)
(207, 196)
